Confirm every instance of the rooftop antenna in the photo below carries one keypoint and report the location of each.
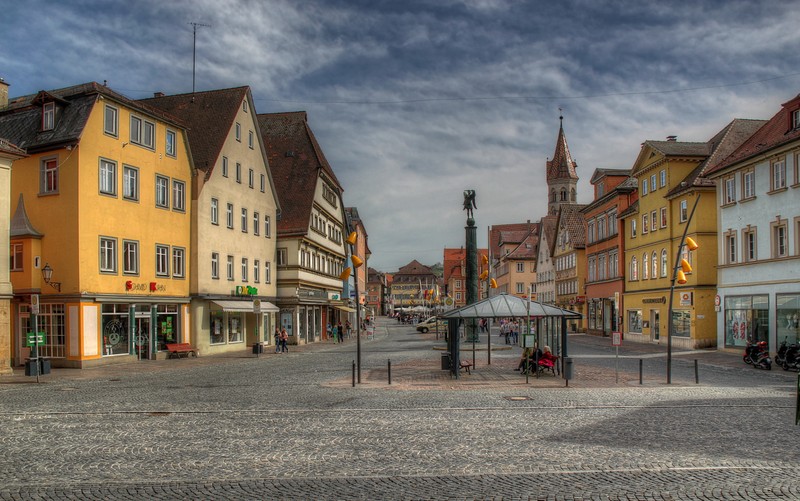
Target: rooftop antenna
(194, 47)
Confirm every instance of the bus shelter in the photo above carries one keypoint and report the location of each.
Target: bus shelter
(548, 322)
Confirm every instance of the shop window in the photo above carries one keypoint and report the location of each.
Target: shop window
(635, 321)
(115, 328)
(681, 323)
(166, 325)
(788, 316)
(217, 329)
(746, 319)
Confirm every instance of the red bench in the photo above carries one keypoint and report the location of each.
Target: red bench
(177, 350)
(465, 365)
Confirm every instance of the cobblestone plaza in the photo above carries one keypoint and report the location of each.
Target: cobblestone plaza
(293, 426)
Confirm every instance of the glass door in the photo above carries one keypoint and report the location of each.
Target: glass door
(654, 325)
(141, 336)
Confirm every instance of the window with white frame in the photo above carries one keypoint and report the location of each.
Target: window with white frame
(215, 265)
(748, 184)
(684, 211)
(601, 267)
(267, 226)
(162, 191)
(645, 267)
(108, 177)
(245, 269)
(612, 222)
(238, 130)
(263, 183)
(229, 216)
(663, 178)
(108, 255)
(520, 267)
(613, 264)
(644, 186)
(238, 172)
(178, 195)
(592, 267)
(779, 174)
(654, 265)
(162, 260)
(590, 231)
(645, 224)
(520, 287)
(170, 145)
(601, 228)
(664, 264)
(256, 223)
(796, 119)
(48, 116)
(142, 132)
(633, 227)
(16, 258)
(653, 221)
(214, 211)
(729, 194)
(634, 272)
(282, 257)
(749, 243)
(653, 184)
(130, 182)
(250, 139)
(730, 247)
(130, 257)
(229, 268)
(780, 243)
(244, 220)
(48, 176)
(663, 217)
(111, 120)
(251, 178)
(224, 166)
(178, 262)
(256, 270)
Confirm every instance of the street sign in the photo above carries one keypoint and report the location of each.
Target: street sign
(35, 304)
(256, 306)
(32, 339)
(616, 339)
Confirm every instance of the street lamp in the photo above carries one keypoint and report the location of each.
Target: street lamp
(352, 239)
(47, 275)
(679, 271)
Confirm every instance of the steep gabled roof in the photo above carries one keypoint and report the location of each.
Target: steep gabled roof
(528, 247)
(561, 166)
(496, 235)
(20, 121)
(776, 132)
(20, 224)
(719, 147)
(547, 230)
(297, 163)
(413, 269)
(571, 218)
(209, 115)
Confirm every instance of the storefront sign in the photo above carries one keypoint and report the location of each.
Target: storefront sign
(686, 298)
(649, 300)
(131, 286)
(32, 339)
(246, 290)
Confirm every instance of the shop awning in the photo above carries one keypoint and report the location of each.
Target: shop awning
(244, 306)
(345, 308)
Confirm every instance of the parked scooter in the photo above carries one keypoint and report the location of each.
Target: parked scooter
(780, 356)
(790, 359)
(757, 355)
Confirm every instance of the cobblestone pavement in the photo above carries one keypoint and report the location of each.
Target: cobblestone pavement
(294, 427)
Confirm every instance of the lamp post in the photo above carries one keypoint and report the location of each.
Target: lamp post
(47, 275)
(352, 239)
(679, 275)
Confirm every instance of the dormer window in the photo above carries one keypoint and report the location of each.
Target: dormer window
(48, 116)
(796, 119)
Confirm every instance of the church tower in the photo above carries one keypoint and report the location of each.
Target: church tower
(562, 179)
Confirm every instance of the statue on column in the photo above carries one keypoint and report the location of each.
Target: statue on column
(469, 202)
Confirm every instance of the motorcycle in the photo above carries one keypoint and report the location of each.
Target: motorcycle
(780, 356)
(757, 355)
(791, 358)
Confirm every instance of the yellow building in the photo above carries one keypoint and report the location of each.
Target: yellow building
(569, 263)
(101, 227)
(670, 177)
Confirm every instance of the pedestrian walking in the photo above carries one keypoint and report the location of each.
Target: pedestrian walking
(348, 327)
(339, 332)
(277, 337)
(284, 340)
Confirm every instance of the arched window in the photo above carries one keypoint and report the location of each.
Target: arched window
(634, 269)
(663, 262)
(645, 267)
(563, 195)
(572, 195)
(553, 195)
(655, 265)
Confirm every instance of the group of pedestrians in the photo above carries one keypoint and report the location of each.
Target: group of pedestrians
(281, 338)
(510, 330)
(337, 332)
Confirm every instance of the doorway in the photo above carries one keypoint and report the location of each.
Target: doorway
(141, 335)
(655, 331)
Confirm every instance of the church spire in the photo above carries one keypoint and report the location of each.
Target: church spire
(562, 177)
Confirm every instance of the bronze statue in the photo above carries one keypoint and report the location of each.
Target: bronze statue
(469, 202)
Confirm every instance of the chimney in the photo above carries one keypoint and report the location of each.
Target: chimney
(158, 94)
(3, 93)
(672, 138)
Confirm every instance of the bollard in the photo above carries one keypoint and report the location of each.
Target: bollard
(354, 373)
(567, 370)
(640, 371)
(389, 364)
(696, 373)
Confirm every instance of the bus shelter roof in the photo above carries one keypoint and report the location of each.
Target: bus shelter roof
(507, 306)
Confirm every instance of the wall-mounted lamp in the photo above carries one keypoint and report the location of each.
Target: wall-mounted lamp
(47, 275)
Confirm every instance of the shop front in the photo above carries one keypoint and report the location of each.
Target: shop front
(232, 323)
(764, 315)
(647, 318)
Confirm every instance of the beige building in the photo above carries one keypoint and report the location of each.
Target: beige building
(233, 286)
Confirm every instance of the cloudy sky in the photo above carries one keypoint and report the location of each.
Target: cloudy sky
(414, 101)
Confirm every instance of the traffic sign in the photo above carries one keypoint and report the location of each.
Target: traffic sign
(32, 339)
(256, 306)
(35, 304)
(616, 339)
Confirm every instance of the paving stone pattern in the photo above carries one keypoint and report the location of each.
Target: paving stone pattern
(293, 427)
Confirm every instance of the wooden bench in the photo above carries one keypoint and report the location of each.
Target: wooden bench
(465, 365)
(177, 350)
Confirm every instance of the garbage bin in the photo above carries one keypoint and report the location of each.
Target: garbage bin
(258, 349)
(446, 361)
(31, 368)
(567, 368)
(44, 365)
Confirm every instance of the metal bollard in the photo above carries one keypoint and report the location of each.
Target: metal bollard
(696, 373)
(389, 365)
(354, 373)
(640, 371)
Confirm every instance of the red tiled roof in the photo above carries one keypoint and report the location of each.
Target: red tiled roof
(561, 166)
(775, 132)
(296, 161)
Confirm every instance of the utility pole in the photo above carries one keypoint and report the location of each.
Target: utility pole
(194, 47)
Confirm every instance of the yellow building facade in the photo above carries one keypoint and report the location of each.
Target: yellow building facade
(103, 204)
